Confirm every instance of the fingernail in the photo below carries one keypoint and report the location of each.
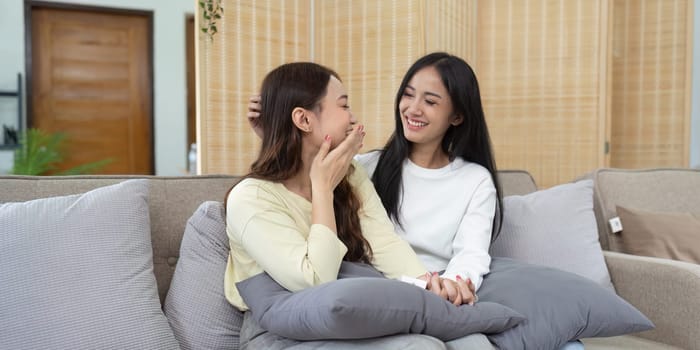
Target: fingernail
(459, 278)
(327, 137)
(434, 273)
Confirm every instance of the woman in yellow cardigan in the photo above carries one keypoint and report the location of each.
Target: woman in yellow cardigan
(305, 206)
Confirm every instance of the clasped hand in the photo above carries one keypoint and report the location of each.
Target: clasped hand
(458, 293)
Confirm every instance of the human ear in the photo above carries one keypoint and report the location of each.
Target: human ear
(456, 120)
(300, 118)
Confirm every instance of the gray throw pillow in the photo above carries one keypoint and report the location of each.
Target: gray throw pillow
(366, 307)
(196, 307)
(555, 227)
(559, 306)
(76, 272)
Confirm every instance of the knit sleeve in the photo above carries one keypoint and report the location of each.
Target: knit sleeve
(259, 224)
(391, 255)
(471, 257)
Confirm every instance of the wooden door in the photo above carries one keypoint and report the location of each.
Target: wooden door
(91, 79)
(191, 92)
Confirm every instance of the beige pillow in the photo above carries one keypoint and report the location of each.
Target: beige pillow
(663, 235)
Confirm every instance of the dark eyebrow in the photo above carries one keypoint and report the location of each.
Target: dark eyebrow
(427, 92)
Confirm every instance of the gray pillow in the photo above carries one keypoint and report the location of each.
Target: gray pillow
(196, 307)
(366, 307)
(555, 227)
(77, 273)
(559, 306)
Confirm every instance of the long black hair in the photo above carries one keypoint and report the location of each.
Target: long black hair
(469, 140)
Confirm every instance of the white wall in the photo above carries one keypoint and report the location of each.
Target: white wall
(169, 85)
(695, 114)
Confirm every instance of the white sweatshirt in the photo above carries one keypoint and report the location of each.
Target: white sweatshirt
(446, 215)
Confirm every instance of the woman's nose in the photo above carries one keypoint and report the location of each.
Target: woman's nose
(413, 106)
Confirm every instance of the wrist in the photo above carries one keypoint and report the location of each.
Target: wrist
(321, 190)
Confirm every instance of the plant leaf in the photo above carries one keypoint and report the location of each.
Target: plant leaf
(87, 168)
(41, 152)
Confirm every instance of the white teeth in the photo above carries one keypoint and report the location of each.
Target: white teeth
(415, 123)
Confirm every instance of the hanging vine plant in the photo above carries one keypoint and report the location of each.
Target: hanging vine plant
(211, 12)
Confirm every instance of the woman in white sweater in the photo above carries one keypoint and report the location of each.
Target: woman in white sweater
(436, 176)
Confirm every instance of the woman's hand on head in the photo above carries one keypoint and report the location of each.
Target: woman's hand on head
(329, 167)
(254, 108)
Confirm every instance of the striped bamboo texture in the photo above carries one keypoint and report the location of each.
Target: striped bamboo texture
(254, 37)
(371, 50)
(558, 78)
(651, 83)
(540, 65)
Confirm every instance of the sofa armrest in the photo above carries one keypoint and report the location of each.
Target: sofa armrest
(665, 290)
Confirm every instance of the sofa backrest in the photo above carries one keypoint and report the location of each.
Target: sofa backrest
(172, 200)
(516, 182)
(658, 190)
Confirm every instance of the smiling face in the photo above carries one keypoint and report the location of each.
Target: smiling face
(426, 109)
(332, 116)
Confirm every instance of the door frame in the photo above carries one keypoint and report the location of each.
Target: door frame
(31, 4)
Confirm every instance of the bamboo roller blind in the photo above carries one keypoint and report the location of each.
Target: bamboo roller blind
(651, 75)
(550, 88)
(539, 64)
(371, 51)
(369, 43)
(254, 37)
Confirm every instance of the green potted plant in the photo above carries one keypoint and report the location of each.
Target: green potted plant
(40, 153)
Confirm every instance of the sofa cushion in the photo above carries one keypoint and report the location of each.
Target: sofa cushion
(171, 201)
(255, 337)
(559, 306)
(196, 307)
(555, 227)
(357, 307)
(662, 235)
(77, 272)
(656, 190)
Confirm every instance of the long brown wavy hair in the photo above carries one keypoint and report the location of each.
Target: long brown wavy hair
(292, 85)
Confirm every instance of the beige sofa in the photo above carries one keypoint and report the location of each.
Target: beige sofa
(666, 291)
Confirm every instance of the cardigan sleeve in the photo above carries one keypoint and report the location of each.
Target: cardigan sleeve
(259, 224)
